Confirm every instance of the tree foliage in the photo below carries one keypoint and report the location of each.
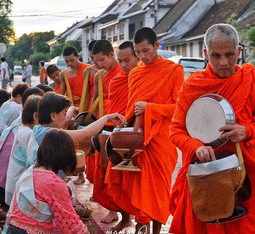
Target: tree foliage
(6, 28)
(29, 44)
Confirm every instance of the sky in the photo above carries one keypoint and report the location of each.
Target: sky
(46, 15)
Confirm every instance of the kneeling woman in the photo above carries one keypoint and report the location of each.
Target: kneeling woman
(41, 202)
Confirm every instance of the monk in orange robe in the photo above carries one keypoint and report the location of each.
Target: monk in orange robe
(72, 83)
(153, 88)
(237, 85)
(103, 57)
(43, 73)
(90, 160)
(72, 77)
(53, 73)
(118, 96)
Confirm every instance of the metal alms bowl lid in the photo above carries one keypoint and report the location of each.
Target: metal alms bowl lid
(206, 115)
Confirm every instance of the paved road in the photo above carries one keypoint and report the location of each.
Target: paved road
(18, 79)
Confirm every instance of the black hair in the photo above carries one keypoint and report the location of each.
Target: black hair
(127, 44)
(42, 63)
(4, 96)
(145, 34)
(51, 69)
(3, 59)
(102, 46)
(19, 89)
(91, 45)
(30, 107)
(70, 51)
(31, 91)
(44, 88)
(57, 152)
(51, 103)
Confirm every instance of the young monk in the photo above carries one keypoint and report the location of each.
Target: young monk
(153, 88)
(118, 93)
(42, 202)
(103, 57)
(72, 83)
(93, 94)
(72, 77)
(54, 74)
(43, 73)
(237, 84)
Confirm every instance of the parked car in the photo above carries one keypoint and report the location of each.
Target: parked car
(17, 70)
(190, 64)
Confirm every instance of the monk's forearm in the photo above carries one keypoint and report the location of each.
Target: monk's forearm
(184, 142)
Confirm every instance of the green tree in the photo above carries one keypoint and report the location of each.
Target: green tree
(40, 39)
(6, 28)
(251, 36)
(251, 40)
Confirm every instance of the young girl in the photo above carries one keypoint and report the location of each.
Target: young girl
(42, 202)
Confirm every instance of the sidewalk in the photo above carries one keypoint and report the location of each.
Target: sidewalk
(84, 193)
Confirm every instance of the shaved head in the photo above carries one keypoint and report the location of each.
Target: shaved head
(221, 31)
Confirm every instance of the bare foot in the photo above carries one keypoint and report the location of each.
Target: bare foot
(110, 217)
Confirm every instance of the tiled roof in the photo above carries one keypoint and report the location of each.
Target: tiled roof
(173, 15)
(219, 13)
(109, 8)
(136, 7)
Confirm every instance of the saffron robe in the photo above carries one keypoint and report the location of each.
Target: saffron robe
(239, 90)
(146, 194)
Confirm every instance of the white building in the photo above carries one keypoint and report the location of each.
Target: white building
(119, 22)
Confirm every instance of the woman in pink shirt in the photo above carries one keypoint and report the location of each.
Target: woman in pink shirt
(42, 202)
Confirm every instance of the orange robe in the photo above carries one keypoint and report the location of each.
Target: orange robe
(90, 160)
(57, 88)
(239, 90)
(76, 83)
(146, 194)
(43, 75)
(114, 79)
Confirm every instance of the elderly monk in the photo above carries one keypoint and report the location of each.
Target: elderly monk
(118, 95)
(153, 88)
(237, 84)
(103, 57)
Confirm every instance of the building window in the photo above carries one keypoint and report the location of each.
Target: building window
(115, 32)
(178, 50)
(121, 31)
(109, 34)
(103, 34)
(191, 49)
(131, 30)
(184, 50)
(200, 46)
